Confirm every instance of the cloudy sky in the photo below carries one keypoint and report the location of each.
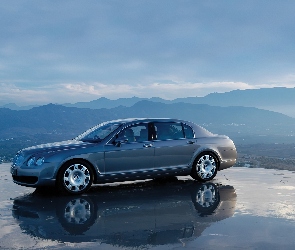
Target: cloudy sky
(68, 51)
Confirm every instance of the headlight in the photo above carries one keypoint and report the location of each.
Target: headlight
(40, 161)
(35, 161)
(31, 161)
(18, 159)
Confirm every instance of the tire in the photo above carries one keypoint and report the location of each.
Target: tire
(75, 177)
(205, 167)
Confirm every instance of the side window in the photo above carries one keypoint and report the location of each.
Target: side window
(168, 130)
(189, 134)
(134, 133)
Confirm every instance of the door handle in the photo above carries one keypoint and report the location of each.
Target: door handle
(190, 142)
(147, 145)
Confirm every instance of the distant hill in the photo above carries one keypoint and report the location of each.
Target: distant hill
(69, 121)
(53, 117)
(274, 99)
(257, 97)
(281, 100)
(13, 106)
(107, 103)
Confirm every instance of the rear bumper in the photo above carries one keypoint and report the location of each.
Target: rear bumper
(227, 164)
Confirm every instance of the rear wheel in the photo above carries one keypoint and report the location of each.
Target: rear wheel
(205, 167)
(75, 177)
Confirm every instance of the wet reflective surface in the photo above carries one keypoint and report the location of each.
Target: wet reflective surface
(243, 208)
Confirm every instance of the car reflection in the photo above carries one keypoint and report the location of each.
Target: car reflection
(128, 215)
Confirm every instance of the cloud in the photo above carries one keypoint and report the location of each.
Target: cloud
(164, 90)
(11, 93)
(151, 48)
(287, 80)
(74, 92)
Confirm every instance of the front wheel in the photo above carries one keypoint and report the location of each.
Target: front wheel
(75, 177)
(205, 167)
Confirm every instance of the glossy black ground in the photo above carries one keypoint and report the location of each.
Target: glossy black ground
(241, 209)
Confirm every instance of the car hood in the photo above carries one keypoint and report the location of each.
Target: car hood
(56, 146)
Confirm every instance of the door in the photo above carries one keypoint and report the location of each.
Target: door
(130, 151)
(174, 145)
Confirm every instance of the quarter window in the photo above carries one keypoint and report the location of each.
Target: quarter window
(189, 134)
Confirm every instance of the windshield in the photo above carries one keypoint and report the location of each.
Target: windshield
(98, 132)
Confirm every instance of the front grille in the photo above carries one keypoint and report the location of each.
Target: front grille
(25, 179)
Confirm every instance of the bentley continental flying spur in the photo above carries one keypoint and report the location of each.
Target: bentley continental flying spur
(125, 150)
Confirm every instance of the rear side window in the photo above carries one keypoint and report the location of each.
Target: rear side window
(168, 130)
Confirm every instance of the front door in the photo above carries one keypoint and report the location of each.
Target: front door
(131, 151)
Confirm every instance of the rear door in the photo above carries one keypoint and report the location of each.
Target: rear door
(174, 145)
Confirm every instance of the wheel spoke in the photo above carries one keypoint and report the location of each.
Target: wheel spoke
(76, 178)
(206, 167)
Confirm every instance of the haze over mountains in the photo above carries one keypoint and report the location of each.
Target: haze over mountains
(245, 125)
(274, 99)
(281, 100)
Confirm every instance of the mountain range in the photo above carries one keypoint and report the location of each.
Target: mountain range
(245, 125)
(281, 100)
(69, 121)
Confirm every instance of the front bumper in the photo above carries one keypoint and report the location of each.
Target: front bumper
(33, 177)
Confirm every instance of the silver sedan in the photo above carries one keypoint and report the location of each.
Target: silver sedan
(125, 150)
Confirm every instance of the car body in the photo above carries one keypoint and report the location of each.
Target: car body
(125, 150)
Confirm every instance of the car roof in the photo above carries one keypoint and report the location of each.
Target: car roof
(131, 120)
(199, 131)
